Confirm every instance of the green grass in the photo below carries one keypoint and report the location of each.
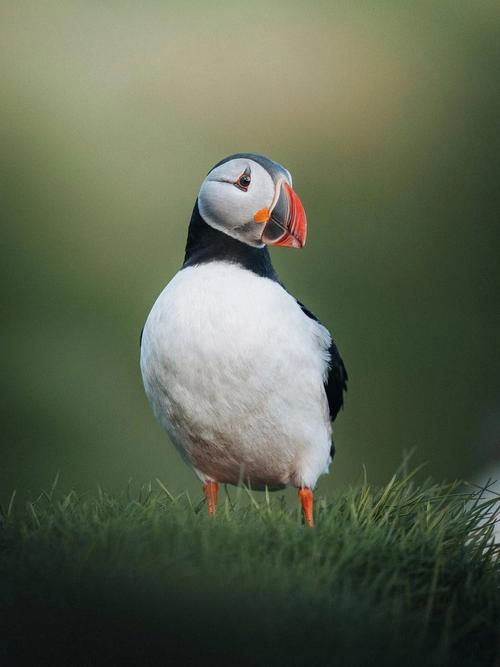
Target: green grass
(405, 574)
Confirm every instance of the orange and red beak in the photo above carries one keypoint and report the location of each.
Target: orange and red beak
(287, 225)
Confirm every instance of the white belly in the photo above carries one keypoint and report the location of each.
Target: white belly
(234, 371)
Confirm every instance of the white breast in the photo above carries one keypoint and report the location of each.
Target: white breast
(234, 371)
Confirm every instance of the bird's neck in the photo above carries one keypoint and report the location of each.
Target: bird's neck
(206, 244)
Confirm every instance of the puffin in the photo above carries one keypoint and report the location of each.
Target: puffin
(242, 377)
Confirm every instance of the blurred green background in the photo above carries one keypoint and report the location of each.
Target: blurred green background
(386, 113)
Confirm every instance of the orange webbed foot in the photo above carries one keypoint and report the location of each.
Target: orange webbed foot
(306, 500)
(210, 490)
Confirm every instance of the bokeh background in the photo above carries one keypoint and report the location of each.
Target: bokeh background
(387, 114)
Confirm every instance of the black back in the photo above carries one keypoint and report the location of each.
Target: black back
(336, 382)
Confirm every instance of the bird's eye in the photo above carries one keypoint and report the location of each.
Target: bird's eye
(243, 181)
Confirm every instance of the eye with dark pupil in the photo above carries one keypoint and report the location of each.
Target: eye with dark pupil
(243, 182)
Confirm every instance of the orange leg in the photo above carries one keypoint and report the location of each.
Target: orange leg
(306, 500)
(210, 490)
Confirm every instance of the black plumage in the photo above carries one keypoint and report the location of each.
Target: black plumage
(207, 244)
(336, 382)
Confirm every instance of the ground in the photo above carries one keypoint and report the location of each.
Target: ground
(405, 574)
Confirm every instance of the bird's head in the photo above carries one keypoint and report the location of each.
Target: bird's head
(250, 198)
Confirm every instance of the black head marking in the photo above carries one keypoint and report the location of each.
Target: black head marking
(273, 168)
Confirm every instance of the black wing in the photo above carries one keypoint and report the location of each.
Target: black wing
(336, 382)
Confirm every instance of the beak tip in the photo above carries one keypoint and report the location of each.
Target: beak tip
(289, 225)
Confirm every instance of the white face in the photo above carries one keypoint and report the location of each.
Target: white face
(236, 196)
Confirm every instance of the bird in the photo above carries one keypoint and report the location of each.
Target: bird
(242, 377)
